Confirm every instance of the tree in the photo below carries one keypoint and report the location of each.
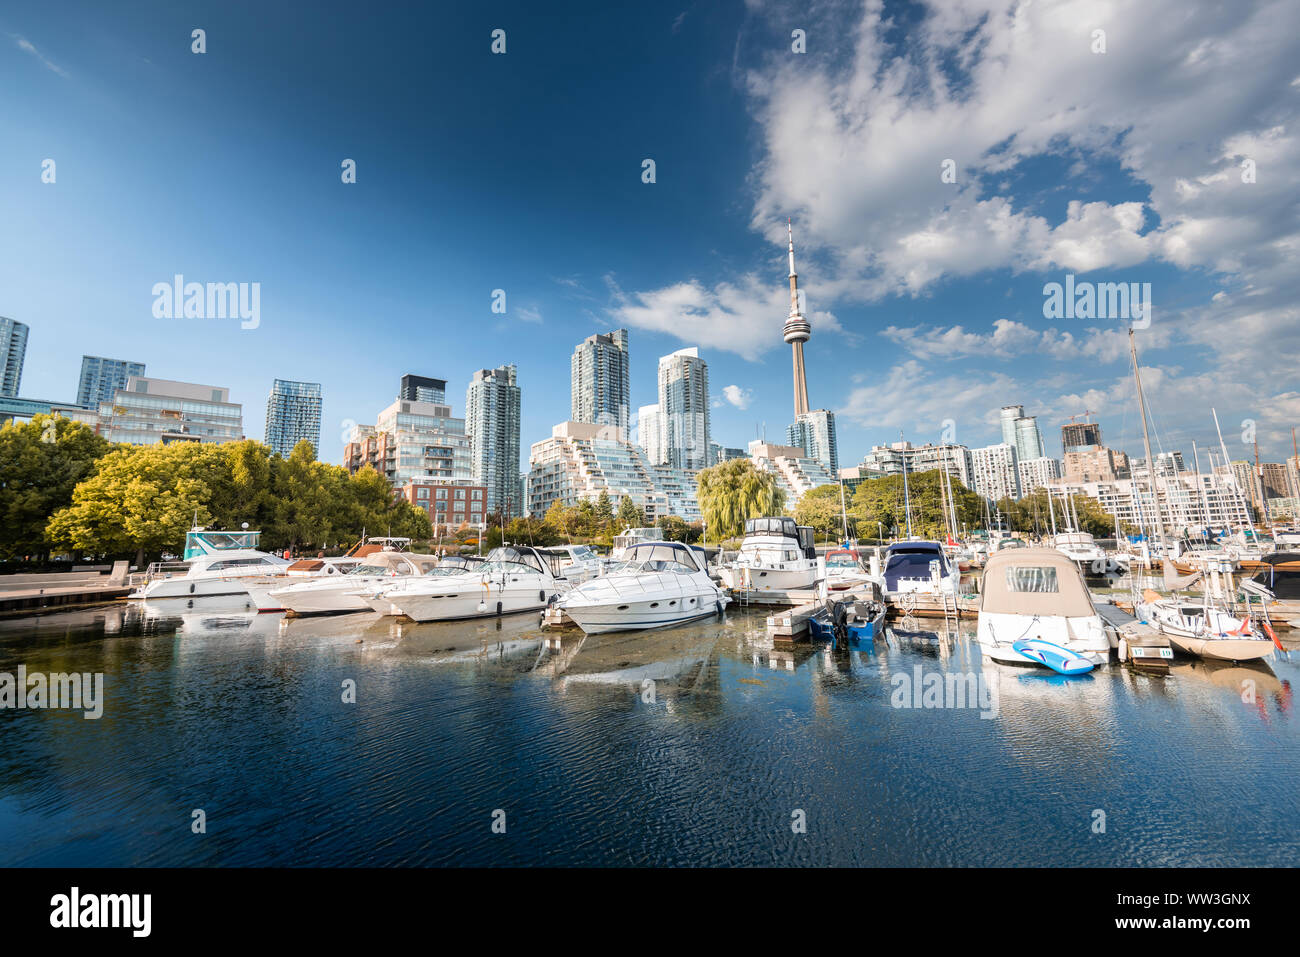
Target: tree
(41, 462)
(532, 531)
(733, 492)
(672, 528)
(604, 509)
(1032, 514)
(820, 508)
(881, 500)
(630, 514)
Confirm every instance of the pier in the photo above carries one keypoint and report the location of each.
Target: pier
(28, 594)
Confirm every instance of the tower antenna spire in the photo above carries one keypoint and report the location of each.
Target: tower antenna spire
(797, 332)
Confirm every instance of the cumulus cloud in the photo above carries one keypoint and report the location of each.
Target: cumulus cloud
(737, 396)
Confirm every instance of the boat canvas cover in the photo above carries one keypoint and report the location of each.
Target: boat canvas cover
(783, 527)
(1034, 581)
(911, 560)
(1282, 576)
(663, 554)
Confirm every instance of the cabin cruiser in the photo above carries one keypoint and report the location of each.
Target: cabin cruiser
(1082, 549)
(1038, 595)
(214, 564)
(579, 563)
(343, 593)
(919, 567)
(513, 579)
(659, 584)
(447, 566)
(776, 554)
(844, 569)
(630, 537)
(1277, 583)
(259, 589)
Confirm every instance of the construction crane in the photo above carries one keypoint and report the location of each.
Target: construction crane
(1084, 415)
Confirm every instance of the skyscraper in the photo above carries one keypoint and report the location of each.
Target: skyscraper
(147, 411)
(292, 414)
(797, 332)
(101, 377)
(684, 409)
(492, 409)
(599, 391)
(13, 348)
(1080, 436)
(650, 434)
(418, 388)
(1007, 418)
(1029, 440)
(814, 432)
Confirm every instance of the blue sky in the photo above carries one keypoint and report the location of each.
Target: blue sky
(523, 172)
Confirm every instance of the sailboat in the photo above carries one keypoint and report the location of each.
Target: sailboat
(1208, 628)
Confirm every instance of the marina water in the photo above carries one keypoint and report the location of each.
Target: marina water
(697, 745)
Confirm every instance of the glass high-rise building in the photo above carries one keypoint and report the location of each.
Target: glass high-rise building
(13, 349)
(814, 432)
(159, 410)
(492, 409)
(101, 377)
(684, 409)
(418, 388)
(293, 414)
(599, 391)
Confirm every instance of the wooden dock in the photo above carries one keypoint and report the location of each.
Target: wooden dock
(28, 601)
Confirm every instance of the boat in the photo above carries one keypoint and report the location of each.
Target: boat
(345, 593)
(660, 584)
(920, 568)
(447, 565)
(579, 563)
(844, 569)
(1208, 628)
(629, 537)
(1082, 549)
(1277, 583)
(259, 589)
(849, 625)
(776, 555)
(511, 580)
(1038, 594)
(213, 565)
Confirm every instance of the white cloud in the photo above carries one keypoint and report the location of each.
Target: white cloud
(27, 46)
(737, 396)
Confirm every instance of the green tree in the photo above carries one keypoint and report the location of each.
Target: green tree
(41, 462)
(733, 492)
(881, 500)
(630, 514)
(604, 510)
(820, 509)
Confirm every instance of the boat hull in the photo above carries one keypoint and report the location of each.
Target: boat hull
(997, 635)
(599, 617)
(1222, 649)
(182, 587)
(466, 604)
(759, 578)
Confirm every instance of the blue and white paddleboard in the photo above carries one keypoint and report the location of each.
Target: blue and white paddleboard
(1061, 660)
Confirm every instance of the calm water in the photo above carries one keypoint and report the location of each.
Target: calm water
(241, 715)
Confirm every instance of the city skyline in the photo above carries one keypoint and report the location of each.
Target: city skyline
(911, 278)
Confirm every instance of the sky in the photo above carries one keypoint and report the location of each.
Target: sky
(942, 165)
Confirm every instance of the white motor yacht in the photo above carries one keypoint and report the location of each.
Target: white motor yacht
(215, 564)
(343, 593)
(1082, 549)
(659, 584)
(1038, 593)
(776, 554)
(259, 589)
(513, 579)
(447, 566)
(579, 563)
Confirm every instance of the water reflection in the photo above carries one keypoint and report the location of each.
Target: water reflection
(685, 745)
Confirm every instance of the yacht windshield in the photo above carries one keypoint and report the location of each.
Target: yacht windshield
(506, 554)
(1032, 578)
(582, 553)
(659, 557)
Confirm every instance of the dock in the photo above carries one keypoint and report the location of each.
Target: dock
(26, 594)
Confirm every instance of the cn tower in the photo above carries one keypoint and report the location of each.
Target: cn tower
(797, 332)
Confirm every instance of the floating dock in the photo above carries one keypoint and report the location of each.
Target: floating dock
(27, 601)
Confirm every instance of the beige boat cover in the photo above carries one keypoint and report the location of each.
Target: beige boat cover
(1034, 581)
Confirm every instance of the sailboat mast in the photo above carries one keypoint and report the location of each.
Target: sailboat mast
(907, 496)
(1146, 438)
(1227, 464)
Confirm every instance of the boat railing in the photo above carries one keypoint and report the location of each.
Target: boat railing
(635, 586)
(158, 570)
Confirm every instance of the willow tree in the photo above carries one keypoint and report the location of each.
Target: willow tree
(733, 492)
